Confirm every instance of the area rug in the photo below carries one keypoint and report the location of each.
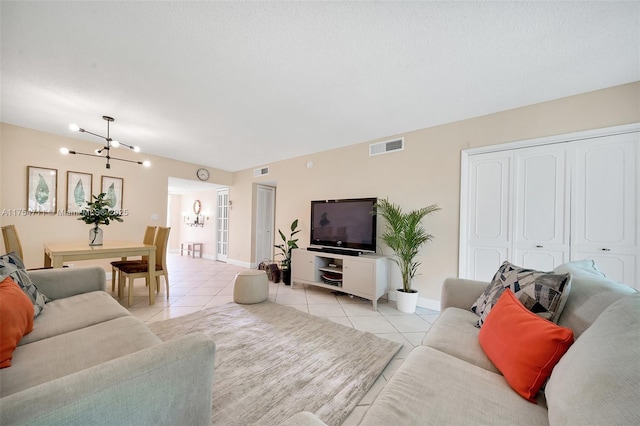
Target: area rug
(273, 361)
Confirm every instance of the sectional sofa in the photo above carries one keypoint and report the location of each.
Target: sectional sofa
(88, 361)
(449, 379)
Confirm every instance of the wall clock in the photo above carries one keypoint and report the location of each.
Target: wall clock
(203, 174)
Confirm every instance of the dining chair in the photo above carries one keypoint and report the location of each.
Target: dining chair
(148, 238)
(11, 240)
(12, 244)
(139, 270)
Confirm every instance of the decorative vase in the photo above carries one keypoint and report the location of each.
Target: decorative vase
(406, 302)
(286, 276)
(95, 236)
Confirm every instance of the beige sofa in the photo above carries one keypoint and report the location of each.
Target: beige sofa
(88, 361)
(448, 380)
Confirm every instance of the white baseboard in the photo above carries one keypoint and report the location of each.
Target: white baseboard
(240, 263)
(204, 255)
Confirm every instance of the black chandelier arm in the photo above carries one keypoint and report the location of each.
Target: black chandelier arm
(128, 146)
(88, 155)
(110, 144)
(107, 157)
(124, 159)
(94, 134)
(108, 139)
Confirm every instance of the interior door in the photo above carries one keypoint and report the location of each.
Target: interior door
(541, 237)
(604, 204)
(223, 225)
(265, 215)
(487, 217)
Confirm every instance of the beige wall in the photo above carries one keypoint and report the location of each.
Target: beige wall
(206, 234)
(426, 172)
(145, 189)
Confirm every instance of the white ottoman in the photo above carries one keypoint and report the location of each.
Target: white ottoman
(251, 286)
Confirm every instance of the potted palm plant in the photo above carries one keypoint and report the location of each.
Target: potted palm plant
(98, 213)
(285, 248)
(404, 234)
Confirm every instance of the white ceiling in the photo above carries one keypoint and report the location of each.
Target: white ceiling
(236, 85)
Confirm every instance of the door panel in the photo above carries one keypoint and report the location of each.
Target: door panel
(222, 231)
(540, 259)
(605, 193)
(265, 196)
(358, 277)
(488, 236)
(617, 266)
(485, 261)
(542, 207)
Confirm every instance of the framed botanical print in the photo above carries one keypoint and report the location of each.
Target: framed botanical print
(42, 187)
(112, 186)
(78, 190)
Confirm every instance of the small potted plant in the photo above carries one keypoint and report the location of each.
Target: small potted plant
(404, 234)
(98, 213)
(285, 248)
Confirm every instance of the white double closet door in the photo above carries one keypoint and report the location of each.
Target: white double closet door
(544, 205)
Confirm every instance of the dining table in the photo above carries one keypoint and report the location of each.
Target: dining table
(56, 253)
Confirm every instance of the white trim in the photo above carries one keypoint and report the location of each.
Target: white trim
(548, 140)
(464, 191)
(241, 263)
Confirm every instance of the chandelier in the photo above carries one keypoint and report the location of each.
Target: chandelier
(104, 152)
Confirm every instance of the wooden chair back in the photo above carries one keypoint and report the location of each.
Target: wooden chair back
(149, 235)
(11, 240)
(149, 238)
(161, 242)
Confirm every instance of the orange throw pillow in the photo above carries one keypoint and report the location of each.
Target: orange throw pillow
(16, 319)
(523, 346)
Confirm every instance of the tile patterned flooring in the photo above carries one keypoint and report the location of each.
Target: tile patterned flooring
(199, 283)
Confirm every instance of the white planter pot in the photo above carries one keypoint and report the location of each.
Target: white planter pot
(406, 302)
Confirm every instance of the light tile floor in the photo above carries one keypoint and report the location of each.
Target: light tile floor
(199, 283)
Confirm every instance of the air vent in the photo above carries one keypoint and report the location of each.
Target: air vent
(386, 147)
(262, 171)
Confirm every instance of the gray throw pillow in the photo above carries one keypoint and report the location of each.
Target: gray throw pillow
(543, 293)
(11, 266)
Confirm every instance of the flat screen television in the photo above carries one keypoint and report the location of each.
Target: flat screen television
(344, 224)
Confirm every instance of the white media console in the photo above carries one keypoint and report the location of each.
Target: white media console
(365, 276)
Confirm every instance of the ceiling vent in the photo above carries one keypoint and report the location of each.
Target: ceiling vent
(386, 147)
(262, 171)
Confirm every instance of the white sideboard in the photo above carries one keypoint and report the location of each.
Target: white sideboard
(365, 276)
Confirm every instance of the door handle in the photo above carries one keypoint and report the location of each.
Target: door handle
(539, 246)
(606, 249)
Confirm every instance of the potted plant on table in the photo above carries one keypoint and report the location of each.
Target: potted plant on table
(404, 234)
(98, 213)
(285, 248)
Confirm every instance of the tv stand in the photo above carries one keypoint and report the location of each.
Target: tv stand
(366, 275)
(332, 250)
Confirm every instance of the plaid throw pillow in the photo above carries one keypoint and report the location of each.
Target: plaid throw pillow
(11, 266)
(543, 293)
